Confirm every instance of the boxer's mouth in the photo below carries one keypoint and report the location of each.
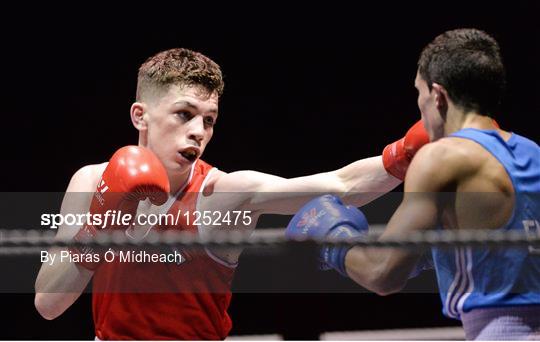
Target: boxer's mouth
(190, 154)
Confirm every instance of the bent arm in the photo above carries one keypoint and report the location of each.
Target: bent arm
(386, 271)
(59, 285)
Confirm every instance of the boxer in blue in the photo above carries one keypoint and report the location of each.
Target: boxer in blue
(472, 176)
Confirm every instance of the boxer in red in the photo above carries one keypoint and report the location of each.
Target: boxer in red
(176, 109)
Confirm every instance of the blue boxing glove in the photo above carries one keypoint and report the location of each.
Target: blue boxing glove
(327, 217)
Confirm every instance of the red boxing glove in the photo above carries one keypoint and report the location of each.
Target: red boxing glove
(133, 174)
(398, 155)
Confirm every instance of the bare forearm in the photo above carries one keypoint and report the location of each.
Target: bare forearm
(59, 285)
(365, 180)
(381, 270)
(366, 267)
(360, 182)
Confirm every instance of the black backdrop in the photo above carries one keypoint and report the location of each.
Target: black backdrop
(308, 89)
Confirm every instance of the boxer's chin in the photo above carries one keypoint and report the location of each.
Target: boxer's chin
(182, 163)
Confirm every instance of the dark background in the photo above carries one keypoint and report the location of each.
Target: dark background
(308, 89)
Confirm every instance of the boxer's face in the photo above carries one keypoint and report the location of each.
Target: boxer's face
(431, 115)
(180, 124)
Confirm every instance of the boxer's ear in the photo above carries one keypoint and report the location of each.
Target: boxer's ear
(441, 96)
(138, 115)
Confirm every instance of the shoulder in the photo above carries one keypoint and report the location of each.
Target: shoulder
(439, 165)
(449, 150)
(239, 181)
(86, 178)
(213, 177)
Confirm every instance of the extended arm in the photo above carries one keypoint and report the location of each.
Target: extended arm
(357, 183)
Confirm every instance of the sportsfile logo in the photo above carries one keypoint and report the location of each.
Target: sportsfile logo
(310, 219)
(101, 188)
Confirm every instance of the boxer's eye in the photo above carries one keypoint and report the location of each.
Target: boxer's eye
(209, 121)
(186, 116)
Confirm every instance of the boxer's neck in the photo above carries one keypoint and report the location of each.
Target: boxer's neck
(457, 119)
(179, 180)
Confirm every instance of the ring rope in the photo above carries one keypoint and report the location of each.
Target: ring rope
(15, 240)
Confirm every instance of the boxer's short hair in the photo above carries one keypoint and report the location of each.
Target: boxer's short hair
(468, 64)
(182, 67)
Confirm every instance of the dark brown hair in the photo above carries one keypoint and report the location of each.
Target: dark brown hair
(468, 64)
